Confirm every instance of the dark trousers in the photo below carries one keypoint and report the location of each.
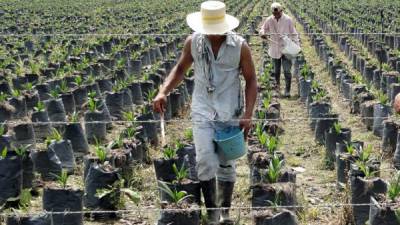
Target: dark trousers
(287, 67)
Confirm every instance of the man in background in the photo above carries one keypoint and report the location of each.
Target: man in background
(276, 26)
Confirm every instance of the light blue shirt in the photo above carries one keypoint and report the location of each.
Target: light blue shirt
(225, 102)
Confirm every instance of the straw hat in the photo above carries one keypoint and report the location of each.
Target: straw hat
(212, 19)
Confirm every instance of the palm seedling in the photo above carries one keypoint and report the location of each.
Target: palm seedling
(188, 134)
(277, 202)
(78, 81)
(320, 95)
(117, 193)
(28, 86)
(40, 107)
(101, 152)
(260, 114)
(92, 103)
(16, 93)
(55, 93)
(3, 97)
(305, 71)
(151, 95)
(383, 98)
(21, 151)
(350, 149)
(180, 174)
(130, 132)
(274, 169)
(267, 100)
(62, 179)
(63, 88)
(129, 116)
(179, 144)
(74, 117)
(315, 86)
(118, 143)
(272, 144)
(121, 63)
(365, 169)
(25, 198)
(35, 67)
(169, 153)
(20, 68)
(262, 139)
(2, 130)
(394, 187)
(366, 153)
(363, 162)
(91, 79)
(259, 130)
(358, 78)
(386, 67)
(4, 153)
(337, 127)
(177, 197)
(55, 135)
(146, 76)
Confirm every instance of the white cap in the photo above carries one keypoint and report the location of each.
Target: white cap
(276, 5)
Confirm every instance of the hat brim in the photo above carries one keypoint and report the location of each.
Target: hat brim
(194, 20)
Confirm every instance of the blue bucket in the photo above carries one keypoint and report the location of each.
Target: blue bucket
(230, 142)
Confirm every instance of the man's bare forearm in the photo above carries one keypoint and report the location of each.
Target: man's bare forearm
(173, 80)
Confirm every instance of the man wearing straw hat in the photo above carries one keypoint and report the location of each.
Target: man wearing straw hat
(276, 26)
(218, 56)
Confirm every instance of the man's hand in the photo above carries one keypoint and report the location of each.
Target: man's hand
(245, 124)
(160, 103)
(174, 78)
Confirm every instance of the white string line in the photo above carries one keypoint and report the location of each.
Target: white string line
(125, 211)
(185, 120)
(186, 34)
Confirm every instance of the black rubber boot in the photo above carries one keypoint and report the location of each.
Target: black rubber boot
(209, 190)
(288, 83)
(225, 191)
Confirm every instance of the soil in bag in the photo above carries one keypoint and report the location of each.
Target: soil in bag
(269, 217)
(64, 200)
(74, 132)
(379, 214)
(100, 177)
(187, 217)
(63, 150)
(10, 178)
(47, 164)
(37, 220)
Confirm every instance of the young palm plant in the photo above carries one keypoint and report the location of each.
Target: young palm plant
(40, 107)
(177, 197)
(4, 153)
(169, 153)
(272, 144)
(54, 136)
(180, 174)
(394, 187)
(337, 127)
(62, 179)
(117, 193)
(101, 152)
(274, 169)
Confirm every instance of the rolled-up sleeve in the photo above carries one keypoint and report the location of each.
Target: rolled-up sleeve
(265, 28)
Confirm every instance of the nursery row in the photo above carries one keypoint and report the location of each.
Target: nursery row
(357, 169)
